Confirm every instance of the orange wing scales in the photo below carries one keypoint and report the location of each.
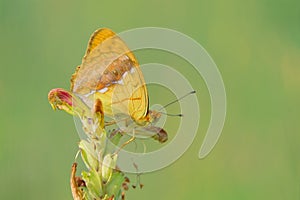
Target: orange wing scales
(110, 72)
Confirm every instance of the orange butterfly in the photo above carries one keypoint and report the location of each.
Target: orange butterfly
(110, 72)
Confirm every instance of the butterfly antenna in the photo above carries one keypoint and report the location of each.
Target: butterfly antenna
(172, 115)
(177, 100)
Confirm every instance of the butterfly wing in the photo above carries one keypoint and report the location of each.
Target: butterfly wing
(110, 72)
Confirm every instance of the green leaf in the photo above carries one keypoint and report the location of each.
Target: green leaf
(89, 155)
(93, 183)
(108, 164)
(114, 185)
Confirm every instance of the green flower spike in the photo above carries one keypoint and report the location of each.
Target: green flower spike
(101, 181)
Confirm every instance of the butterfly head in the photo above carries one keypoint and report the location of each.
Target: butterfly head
(153, 116)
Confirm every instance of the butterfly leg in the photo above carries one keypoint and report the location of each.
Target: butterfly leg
(127, 142)
(110, 123)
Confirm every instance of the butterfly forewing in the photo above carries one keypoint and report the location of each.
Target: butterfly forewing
(110, 72)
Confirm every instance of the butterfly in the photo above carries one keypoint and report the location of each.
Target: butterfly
(110, 72)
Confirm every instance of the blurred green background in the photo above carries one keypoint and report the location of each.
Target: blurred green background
(256, 45)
